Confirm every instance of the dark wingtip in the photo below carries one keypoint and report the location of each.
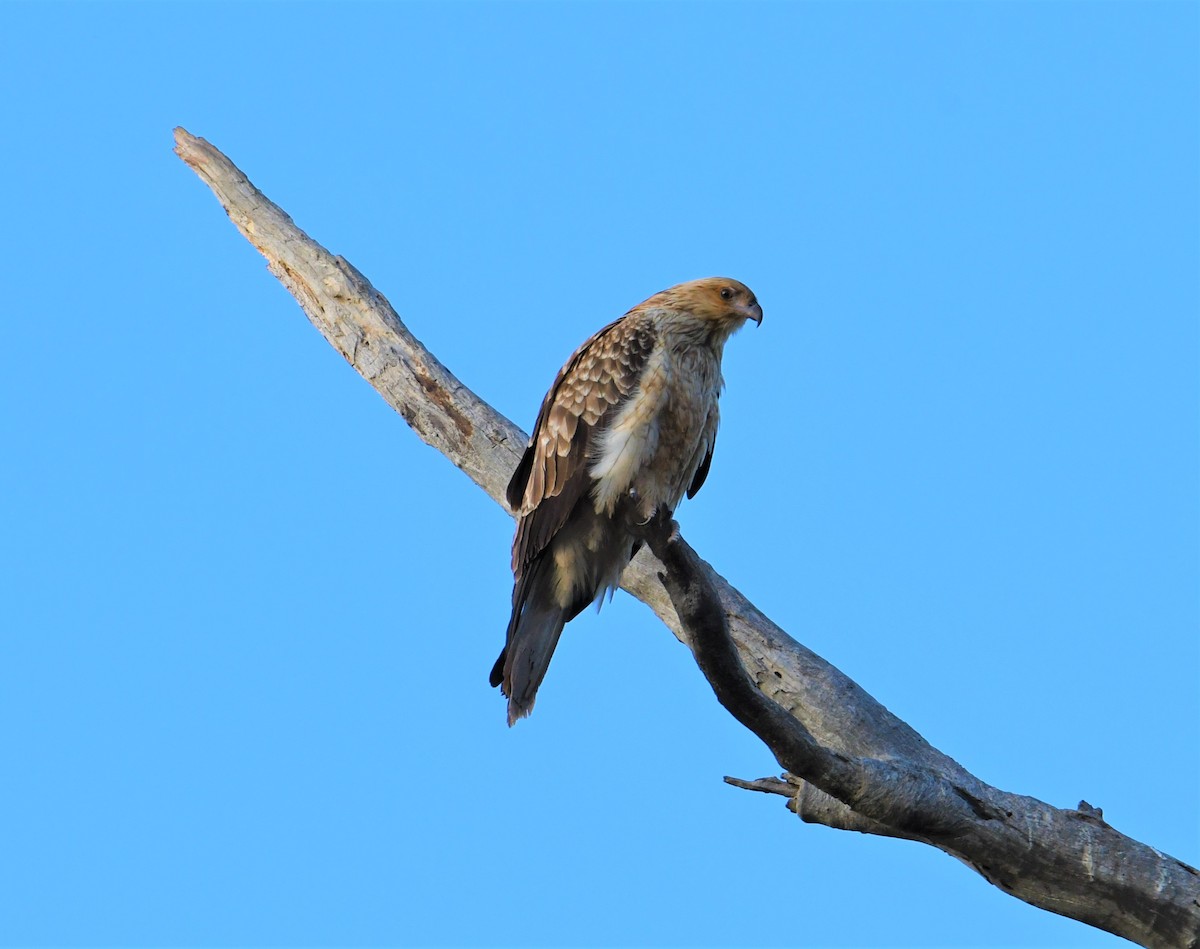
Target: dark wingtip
(520, 477)
(496, 676)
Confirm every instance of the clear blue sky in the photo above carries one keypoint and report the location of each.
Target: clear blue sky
(248, 618)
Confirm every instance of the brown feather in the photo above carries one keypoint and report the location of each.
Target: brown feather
(627, 427)
(597, 379)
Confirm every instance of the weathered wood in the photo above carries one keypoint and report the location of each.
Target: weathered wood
(856, 766)
(1099, 875)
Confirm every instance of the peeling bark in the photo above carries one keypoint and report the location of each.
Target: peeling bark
(851, 764)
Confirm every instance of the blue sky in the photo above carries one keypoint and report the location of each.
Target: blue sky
(248, 618)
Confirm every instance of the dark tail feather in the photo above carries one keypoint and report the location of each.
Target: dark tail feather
(584, 558)
(537, 622)
(528, 657)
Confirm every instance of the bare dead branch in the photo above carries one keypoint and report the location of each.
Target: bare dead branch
(763, 785)
(860, 767)
(980, 825)
(912, 799)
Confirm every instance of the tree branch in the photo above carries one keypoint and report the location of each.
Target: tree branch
(858, 766)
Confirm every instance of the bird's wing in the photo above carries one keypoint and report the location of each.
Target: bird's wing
(709, 440)
(701, 472)
(553, 473)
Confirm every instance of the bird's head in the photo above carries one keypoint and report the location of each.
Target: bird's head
(721, 303)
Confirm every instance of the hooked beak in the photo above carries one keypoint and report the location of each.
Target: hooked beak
(754, 312)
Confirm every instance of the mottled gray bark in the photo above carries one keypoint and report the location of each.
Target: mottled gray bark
(851, 763)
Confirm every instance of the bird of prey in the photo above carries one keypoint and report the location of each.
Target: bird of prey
(628, 426)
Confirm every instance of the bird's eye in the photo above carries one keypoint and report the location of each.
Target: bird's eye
(727, 293)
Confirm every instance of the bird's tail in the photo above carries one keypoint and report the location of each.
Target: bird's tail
(537, 622)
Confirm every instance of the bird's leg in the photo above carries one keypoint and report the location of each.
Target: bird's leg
(657, 529)
(638, 510)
